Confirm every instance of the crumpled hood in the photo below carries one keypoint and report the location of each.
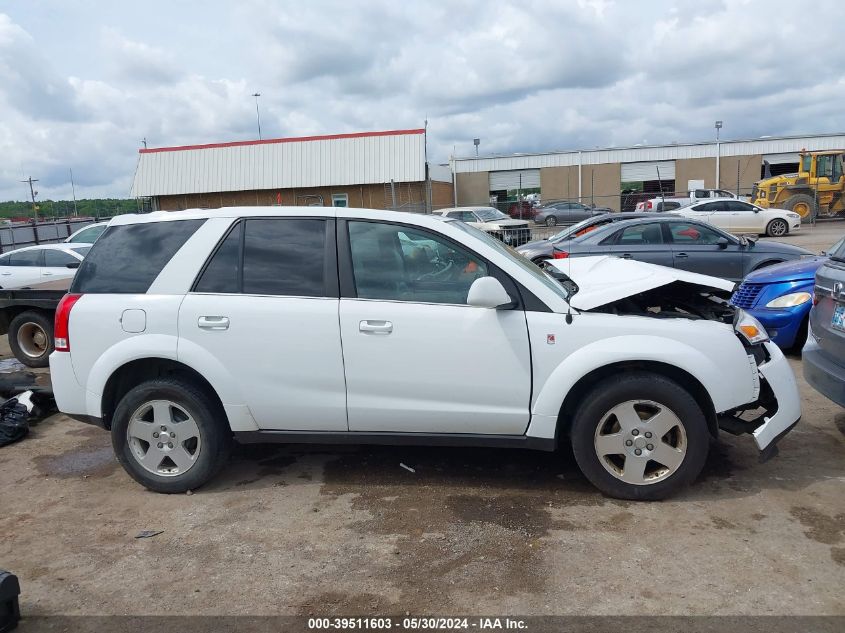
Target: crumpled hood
(605, 279)
(794, 270)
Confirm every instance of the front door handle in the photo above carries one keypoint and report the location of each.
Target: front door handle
(626, 256)
(375, 327)
(684, 255)
(213, 322)
(6, 274)
(47, 274)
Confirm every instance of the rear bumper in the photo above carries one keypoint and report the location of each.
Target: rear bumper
(823, 375)
(68, 393)
(778, 374)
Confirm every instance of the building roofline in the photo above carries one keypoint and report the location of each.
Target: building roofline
(634, 147)
(271, 141)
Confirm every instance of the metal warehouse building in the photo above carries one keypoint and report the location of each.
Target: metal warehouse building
(380, 170)
(619, 177)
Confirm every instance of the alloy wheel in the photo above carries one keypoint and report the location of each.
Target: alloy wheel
(163, 438)
(778, 228)
(640, 442)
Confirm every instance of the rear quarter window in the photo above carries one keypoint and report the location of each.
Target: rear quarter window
(126, 259)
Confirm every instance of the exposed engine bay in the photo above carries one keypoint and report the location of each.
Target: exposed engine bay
(678, 299)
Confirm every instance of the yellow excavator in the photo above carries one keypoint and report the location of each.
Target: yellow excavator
(817, 190)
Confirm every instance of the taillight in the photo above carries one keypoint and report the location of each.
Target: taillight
(60, 330)
(560, 255)
(815, 299)
(648, 205)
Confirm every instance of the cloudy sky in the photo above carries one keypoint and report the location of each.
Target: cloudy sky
(83, 81)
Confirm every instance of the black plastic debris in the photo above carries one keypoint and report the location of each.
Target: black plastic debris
(14, 418)
(10, 612)
(148, 533)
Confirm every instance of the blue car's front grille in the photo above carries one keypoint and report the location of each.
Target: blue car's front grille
(745, 295)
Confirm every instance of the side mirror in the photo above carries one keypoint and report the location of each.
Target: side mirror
(722, 242)
(756, 210)
(73, 265)
(488, 292)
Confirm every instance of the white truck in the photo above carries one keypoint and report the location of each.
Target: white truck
(184, 332)
(669, 203)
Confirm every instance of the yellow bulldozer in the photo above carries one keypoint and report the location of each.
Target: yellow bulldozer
(817, 190)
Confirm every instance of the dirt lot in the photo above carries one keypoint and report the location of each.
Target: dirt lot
(324, 530)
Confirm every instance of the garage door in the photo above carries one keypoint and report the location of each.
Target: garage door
(780, 159)
(641, 172)
(507, 180)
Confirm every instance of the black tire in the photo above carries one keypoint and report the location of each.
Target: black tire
(777, 228)
(215, 434)
(551, 221)
(31, 338)
(805, 202)
(639, 386)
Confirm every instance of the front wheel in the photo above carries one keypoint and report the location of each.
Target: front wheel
(551, 221)
(170, 436)
(640, 436)
(777, 228)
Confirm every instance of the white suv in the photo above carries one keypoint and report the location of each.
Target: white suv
(185, 331)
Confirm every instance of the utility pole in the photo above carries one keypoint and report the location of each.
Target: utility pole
(718, 152)
(257, 113)
(73, 187)
(33, 193)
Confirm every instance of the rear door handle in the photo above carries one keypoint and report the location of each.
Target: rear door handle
(213, 322)
(47, 274)
(681, 255)
(375, 327)
(6, 274)
(626, 256)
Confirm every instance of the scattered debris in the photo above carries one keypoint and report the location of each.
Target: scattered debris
(9, 365)
(148, 533)
(14, 417)
(406, 467)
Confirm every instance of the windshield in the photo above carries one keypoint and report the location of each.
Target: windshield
(489, 214)
(526, 264)
(837, 251)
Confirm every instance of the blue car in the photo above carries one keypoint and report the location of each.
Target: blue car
(780, 297)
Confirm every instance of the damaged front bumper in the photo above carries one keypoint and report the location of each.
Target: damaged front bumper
(779, 399)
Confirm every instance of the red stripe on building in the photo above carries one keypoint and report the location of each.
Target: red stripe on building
(270, 141)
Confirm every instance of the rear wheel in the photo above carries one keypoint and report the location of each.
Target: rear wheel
(170, 436)
(777, 228)
(551, 221)
(31, 338)
(640, 436)
(803, 204)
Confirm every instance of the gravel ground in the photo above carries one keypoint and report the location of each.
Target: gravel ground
(347, 530)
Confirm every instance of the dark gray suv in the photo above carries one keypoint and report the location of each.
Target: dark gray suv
(824, 353)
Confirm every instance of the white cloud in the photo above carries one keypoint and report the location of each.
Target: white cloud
(81, 86)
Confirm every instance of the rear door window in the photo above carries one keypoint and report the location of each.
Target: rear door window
(285, 256)
(127, 258)
(222, 274)
(58, 259)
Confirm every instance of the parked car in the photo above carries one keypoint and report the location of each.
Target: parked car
(88, 234)
(522, 210)
(680, 243)
(34, 264)
(737, 216)
(373, 327)
(665, 203)
(780, 297)
(539, 250)
(824, 352)
(490, 220)
(566, 212)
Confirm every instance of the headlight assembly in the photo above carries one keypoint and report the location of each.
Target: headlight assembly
(790, 301)
(749, 328)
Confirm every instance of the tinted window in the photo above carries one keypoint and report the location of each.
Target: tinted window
(27, 258)
(709, 206)
(640, 234)
(222, 273)
(737, 205)
(685, 233)
(4, 260)
(284, 257)
(58, 259)
(127, 259)
(396, 263)
(89, 235)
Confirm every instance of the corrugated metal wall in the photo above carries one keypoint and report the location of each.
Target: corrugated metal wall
(656, 153)
(286, 164)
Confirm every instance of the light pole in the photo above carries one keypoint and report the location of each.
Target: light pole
(476, 142)
(257, 113)
(718, 148)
